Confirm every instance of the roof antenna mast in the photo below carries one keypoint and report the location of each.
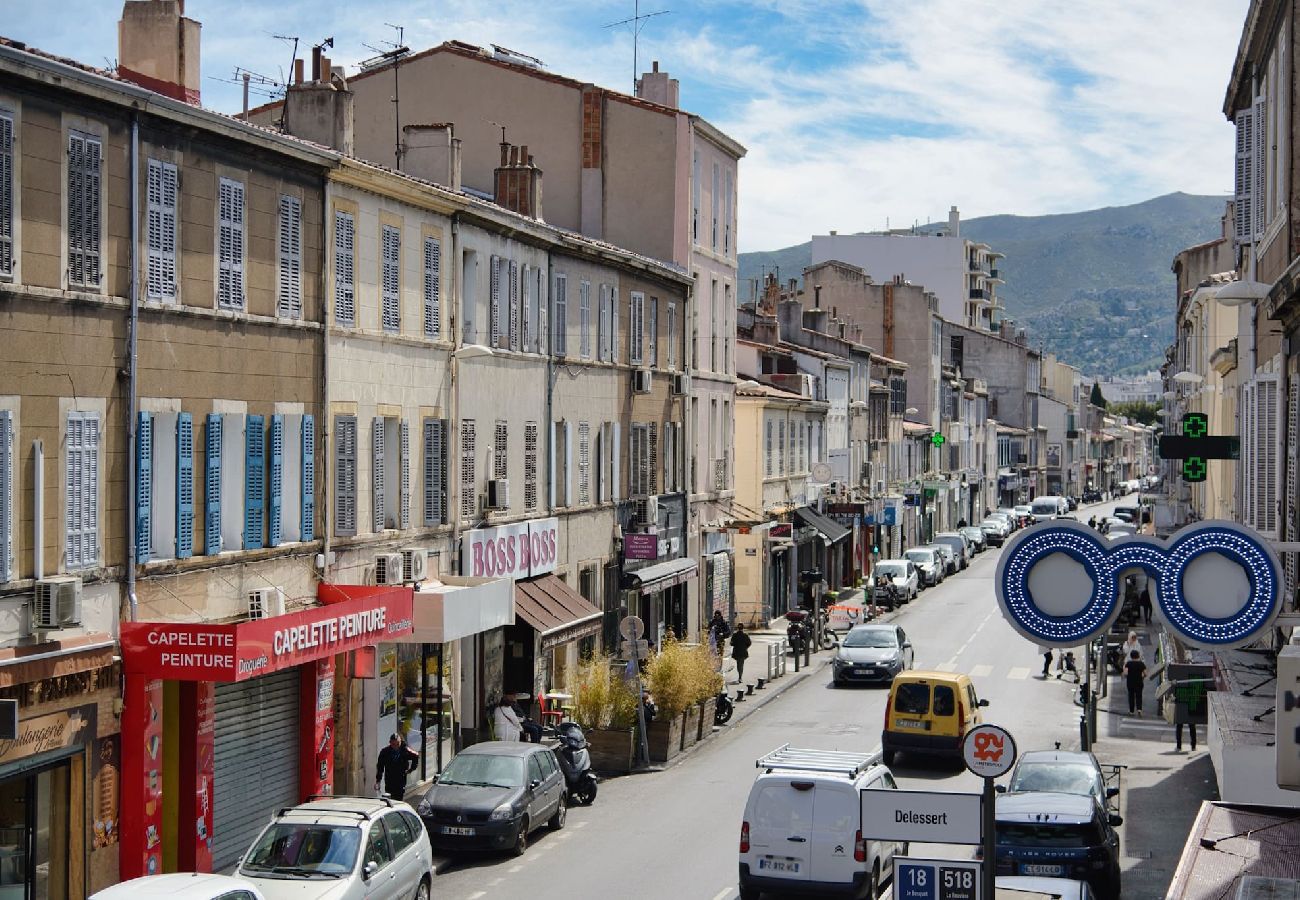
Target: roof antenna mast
(637, 18)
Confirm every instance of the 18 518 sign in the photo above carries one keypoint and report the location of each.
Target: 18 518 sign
(936, 879)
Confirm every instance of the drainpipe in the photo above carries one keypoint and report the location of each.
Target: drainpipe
(326, 428)
(453, 421)
(133, 328)
(552, 374)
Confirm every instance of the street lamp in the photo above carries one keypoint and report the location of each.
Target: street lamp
(911, 411)
(1188, 378)
(473, 351)
(1239, 293)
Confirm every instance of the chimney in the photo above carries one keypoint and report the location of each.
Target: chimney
(320, 110)
(158, 48)
(771, 294)
(657, 87)
(432, 152)
(954, 222)
(817, 296)
(518, 182)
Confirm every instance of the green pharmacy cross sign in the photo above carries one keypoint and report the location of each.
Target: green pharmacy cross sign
(1195, 445)
(937, 439)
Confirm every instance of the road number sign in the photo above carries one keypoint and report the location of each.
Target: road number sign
(632, 628)
(634, 649)
(988, 751)
(936, 879)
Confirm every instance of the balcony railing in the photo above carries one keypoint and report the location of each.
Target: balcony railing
(977, 294)
(719, 474)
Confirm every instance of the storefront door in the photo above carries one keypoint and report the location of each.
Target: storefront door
(34, 833)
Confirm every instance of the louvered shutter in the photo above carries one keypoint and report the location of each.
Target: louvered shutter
(512, 300)
(73, 473)
(1267, 472)
(143, 487)
(212, 486)
(1259, 190)
(602, 448)
(652, 458)
(432, 287)
(81, 541)
(230, 244)
(6, 196)
(377, 474)
(6, 495)
(543, 329)
(560, 342)
(614, 345)
(160, 281)
(527, 312)
(1244, 176)
(255, 483)
(1292, 481)
(345, 475)
(288, 294)
(552, 484)
(275, 515)
(390, 279)
(494, 302)
(584, 463)
(404, 481)
(308, 478)
(184, 485)
(616, 487)
(468, 477)
(90, 499)
(84, 181)
(568, 463)
(435, 472)
(636, 327)
(584, 319)
(345, 307)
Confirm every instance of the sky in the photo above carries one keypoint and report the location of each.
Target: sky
(857, 115)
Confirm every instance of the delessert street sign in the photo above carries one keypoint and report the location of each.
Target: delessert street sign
(931, 817)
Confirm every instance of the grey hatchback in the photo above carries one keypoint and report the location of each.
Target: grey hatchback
(492, 796)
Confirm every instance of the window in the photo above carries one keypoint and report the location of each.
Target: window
(500, 451)
(378, 850)
(603, 343)
(345, 475)
(715, 333)
(640, 455)
(512, 299)
(636, 327)
(530, 466)
(468, 497)
(390, 473)
(81, 507)
(230, 244)
(652, 337)
(288, 292)
(584, 318)
(160, 281)
(672, 336)
(584, 463)
(238, 474)
(528, 310)
(6, 194)
(562, 464)
(85, 155)
(728, 203)
(399, 832)
(670, 457)
(695, 198)
(780, 447)
(390, 279)
(494, 302)
(164, 522)
(652, 458)
(717, 199)
(435, 472)
(432, 287)
(7, 571)
(613, 324)
(561, 336)
(769, 456)
(345, 307)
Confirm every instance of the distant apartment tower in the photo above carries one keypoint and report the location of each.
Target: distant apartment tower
(962, 273)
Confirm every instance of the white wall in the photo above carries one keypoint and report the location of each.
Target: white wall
(937, 263)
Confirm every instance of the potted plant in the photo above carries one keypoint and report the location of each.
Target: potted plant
(668, 678)
(605, 705)
(707, 682)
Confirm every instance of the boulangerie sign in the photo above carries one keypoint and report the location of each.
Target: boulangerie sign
(521, 550)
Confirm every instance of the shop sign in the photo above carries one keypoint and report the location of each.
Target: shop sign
(641, 546)
(234, 652)
(44, 734)
(522, 550)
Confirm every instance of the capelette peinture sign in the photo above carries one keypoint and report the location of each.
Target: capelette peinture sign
(236, 651)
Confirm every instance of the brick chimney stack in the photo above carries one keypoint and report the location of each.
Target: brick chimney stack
(158, 48)
(518, 182)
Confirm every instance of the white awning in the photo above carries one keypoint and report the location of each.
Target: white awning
(460, 607)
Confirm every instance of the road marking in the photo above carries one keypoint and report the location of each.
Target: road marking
(580, 825)
(949, 666)
(513, 869)
(725, 892)
(477, 894)
(1019, 673)
(981, 671)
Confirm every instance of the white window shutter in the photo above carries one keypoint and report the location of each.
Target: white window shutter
(6, 193)
(512, 300)
(160, 196)
(613, 324)
(404, 481)
(345, 307)
(6, 495)
(1243, 213)
(288, 289)
(1259, 190)
(568, 463)
(85, 154)
(468, 480)
(1268, 468)
(584, 463)
(435, 472)
(552, 492)
(616, 486)
(432, 287)
(530, 466)
(390, 279)
(377, 517)
(230, 244)
(560, 340)
(494, 310)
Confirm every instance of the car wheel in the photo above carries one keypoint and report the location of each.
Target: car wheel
(521, 839)
(873, 886)
(889, 756)
(422, 892)
(749, 893)
(556, 821)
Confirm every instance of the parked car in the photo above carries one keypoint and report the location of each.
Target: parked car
(904, 575)
(1091, 495)
(1061, 771)
(1012, 516)
(1048, 507)
(1073, 502)
(975, 535)
(800, 834)
(341, 848)
(182, 886)
(1126, 513)
(1013, 886)
(1026, 514)
(1119, 529)
(929, 564)
(995, 532)
(492, 796)
(871, 654)
(930, 713)
(959, 544)
(950, 564)
(1059, 836)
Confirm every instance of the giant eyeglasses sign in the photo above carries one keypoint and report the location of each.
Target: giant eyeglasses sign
(1216, 584)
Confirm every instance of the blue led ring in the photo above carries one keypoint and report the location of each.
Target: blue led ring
(1262, 571)
(1081, 546)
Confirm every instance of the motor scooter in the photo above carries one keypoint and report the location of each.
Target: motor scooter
(575, 762)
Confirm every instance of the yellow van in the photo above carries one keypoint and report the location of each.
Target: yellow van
(929, 712)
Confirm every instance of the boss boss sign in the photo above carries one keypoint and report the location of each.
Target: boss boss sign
(513, 551)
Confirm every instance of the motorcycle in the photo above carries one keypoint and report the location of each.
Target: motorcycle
(722, 713)
(575, 762)
(796, 632)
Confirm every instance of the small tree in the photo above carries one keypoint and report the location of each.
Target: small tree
(1097, 399)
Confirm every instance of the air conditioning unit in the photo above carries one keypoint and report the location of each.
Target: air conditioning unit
(880, 487)
(265, 603)
(498, 494)
(681, 384)
(415, 565)
(647, 511)
(388, 568)
(641, 380)
(57, 603)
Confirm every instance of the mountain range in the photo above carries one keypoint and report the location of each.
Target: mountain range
(1093, 287)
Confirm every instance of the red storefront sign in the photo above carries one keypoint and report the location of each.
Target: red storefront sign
(641, 546)
(233, 652)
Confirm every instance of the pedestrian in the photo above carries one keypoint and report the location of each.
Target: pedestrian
(1047, 660)
(506, 721)
(740, 650)
(1144, 601)
(719, 630)
(1068, 666)
(1092, 522)
(648, 706)
(1132, 645)
(529, 727)
(1135, 671)
(396, 761)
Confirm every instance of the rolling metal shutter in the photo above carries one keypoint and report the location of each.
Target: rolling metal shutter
(256, 760)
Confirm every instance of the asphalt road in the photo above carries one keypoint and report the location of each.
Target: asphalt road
(674, 833)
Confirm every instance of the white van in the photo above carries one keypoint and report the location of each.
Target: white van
(800, 832)
(1049, 507)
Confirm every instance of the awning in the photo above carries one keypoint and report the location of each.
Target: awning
(832, 532)
(460, 607)
(664, 575)
(52, 659)
(558, 612)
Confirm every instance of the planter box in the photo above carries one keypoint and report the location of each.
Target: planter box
(612, 750)
(707, 710)
(690, 726)
(664, 737)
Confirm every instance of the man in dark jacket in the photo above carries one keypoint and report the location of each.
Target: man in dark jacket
(396, 761)
(720, 630)
(740, 650)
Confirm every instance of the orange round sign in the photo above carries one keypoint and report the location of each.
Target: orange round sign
(988, 751)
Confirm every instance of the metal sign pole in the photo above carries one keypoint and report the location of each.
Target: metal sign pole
(989, 864)
(640, 709)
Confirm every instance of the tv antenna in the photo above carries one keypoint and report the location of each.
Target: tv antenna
(394, 53)
(254, 83)
(636, 21)
(294, 60)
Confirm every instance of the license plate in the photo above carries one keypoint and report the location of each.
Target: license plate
(1031, 869)
(779, 864)
(457, 829)
(866, 670)
(918, 724)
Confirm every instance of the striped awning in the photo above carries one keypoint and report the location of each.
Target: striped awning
(558, 612)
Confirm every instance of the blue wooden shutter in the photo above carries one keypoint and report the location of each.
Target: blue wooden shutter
(254, 482)
(143, 487)
(308, 478)
(212, 487)
(277, 480)
(184, 486)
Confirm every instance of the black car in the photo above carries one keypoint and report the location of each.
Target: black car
(1073, 502)
(491, 796)
(1059, 835)
(1092, 495)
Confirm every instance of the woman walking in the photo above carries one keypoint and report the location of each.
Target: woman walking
(1135, 671)
(740, 650)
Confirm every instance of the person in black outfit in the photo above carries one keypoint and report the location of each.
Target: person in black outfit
(396, 761)
(1135, 671)
(720, 630)
(532, 730)
(740, 650)
(1144, 601)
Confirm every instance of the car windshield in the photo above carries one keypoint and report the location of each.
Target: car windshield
(920, 557)
(1063, 777)
(1040, 834)
(893, 570)
(484, 770)
(912, 698)
(870, 637)
(991, 523)
(304, 849)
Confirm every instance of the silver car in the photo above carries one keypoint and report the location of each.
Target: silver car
(929, 563)
(871, 653)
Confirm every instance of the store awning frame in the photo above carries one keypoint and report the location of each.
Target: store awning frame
(664, 575)
(832, 532)
(556, 611)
